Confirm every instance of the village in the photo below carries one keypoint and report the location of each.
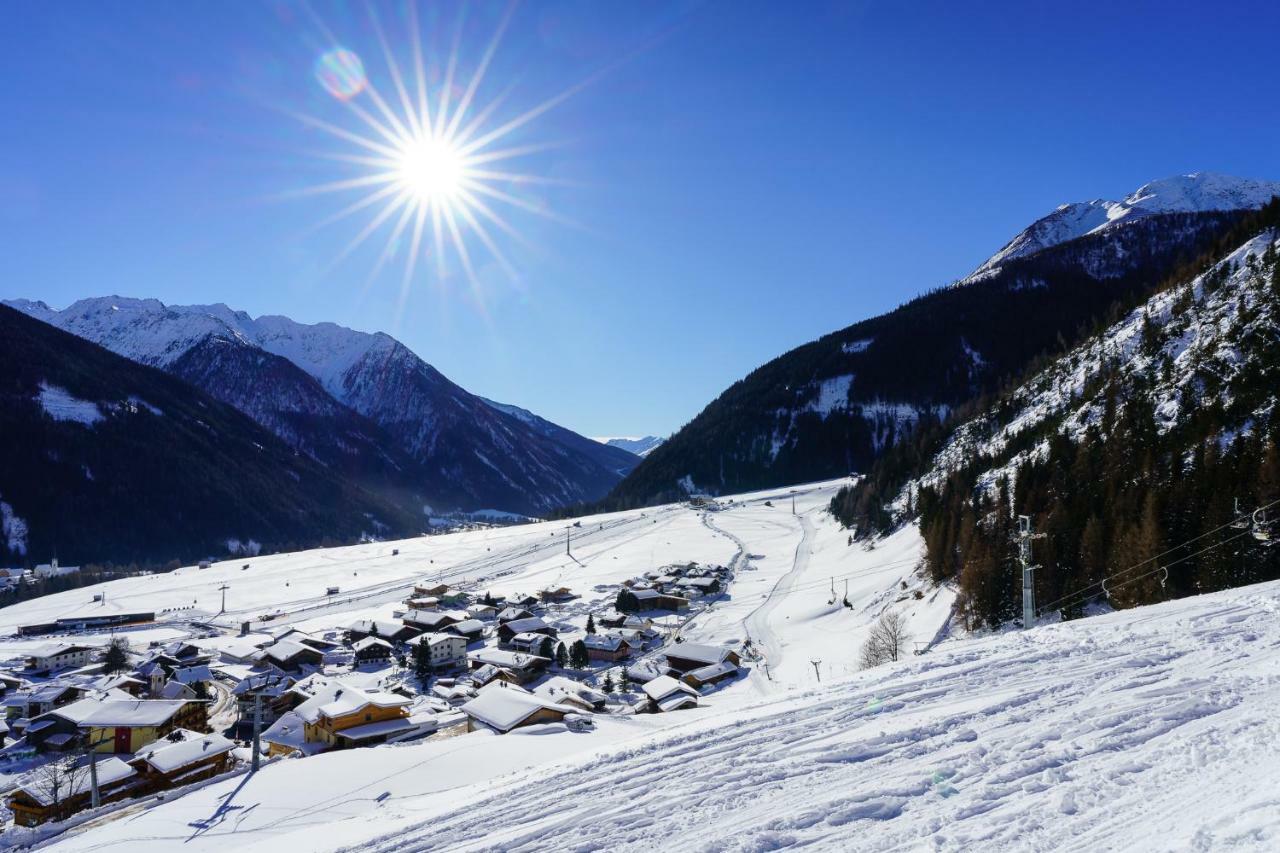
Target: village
(88, 725)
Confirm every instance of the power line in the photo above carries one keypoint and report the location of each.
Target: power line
(1076, 593)
(1081, 596)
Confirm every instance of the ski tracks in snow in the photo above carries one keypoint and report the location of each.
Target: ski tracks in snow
(1069, 737)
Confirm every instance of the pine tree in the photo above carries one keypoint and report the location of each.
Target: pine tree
(591, 624)
(562, 657)
(546, 648)
(422, 662)
(607, 686)
(116, 658)
(578, 657)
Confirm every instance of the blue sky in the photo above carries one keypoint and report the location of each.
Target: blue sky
(739, 178)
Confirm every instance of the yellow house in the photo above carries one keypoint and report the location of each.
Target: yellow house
(339, 716)
(127, 725)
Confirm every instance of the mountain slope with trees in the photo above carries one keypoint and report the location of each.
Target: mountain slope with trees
(1141, 455)
(107, 460)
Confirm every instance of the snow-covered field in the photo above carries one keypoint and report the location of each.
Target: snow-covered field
(1084, 735)
(1155, 728)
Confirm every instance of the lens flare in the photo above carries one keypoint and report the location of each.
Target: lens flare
(341, 73)
(432, 165)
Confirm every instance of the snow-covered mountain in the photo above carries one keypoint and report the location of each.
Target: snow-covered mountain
(338, 393)
(835, 405)
(641, 447)
(1194, 193)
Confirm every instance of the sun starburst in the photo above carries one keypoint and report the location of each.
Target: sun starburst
(434, 169)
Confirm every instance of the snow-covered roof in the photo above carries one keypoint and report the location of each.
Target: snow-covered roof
(558, 685)
(371, 643)
(504, 708)
(133, 713)
(40, 787)
(380, 728)
(183, 747)
(699, 652)
(338, 699)
(715, 670)
(468, 626)
(192, 674)
(176, 690)
(665, 686)
(604, 642)
(49, 650)
(503, 658)
(531, 623)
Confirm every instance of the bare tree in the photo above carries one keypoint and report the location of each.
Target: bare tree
(58, 781)
(887, 641)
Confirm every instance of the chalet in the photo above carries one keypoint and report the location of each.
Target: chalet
(351, 716)
(667, 694)
(470, 630)
(524, 666)
(530, 625)
(566, 691)
(652, 599)
(531, 644)
(422, 602)
(484, 612)
(372, 650)
(511, 614)
(269, 693)
(391, 631)
(685, 657)
(337, 715)
(55, 656)
(454, 694)
(605, 647)
(710, 674)
(428, 589)
(489, 673)
(291, 656)
(176, 690)
(556, 594)
(124, 725)
(526, 601)
(50, 696)
(502, 708)
(180, 758)
(191, 675)
(431, 620)
(699, 586)
(454, 598)
(447, 651)
(40, 798)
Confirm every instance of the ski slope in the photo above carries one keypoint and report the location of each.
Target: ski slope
(1156, 728)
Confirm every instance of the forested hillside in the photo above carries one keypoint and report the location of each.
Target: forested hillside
(106, 460)
(835, 405)
(1129, 454)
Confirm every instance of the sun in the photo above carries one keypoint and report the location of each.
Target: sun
(432, 171)
(427, 164)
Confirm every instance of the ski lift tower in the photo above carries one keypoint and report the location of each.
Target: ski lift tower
(1025, 536)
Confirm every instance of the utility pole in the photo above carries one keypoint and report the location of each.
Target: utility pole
(1028, 570)
(568, 536)
(817, 675)
(793, 504)
(224, 589)
(257, 729)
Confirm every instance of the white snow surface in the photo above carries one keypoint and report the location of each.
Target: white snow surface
(639, 445)
(151, 332)
(1197, 191)
(61, 405)
(1203, 332)
(1078, 736)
